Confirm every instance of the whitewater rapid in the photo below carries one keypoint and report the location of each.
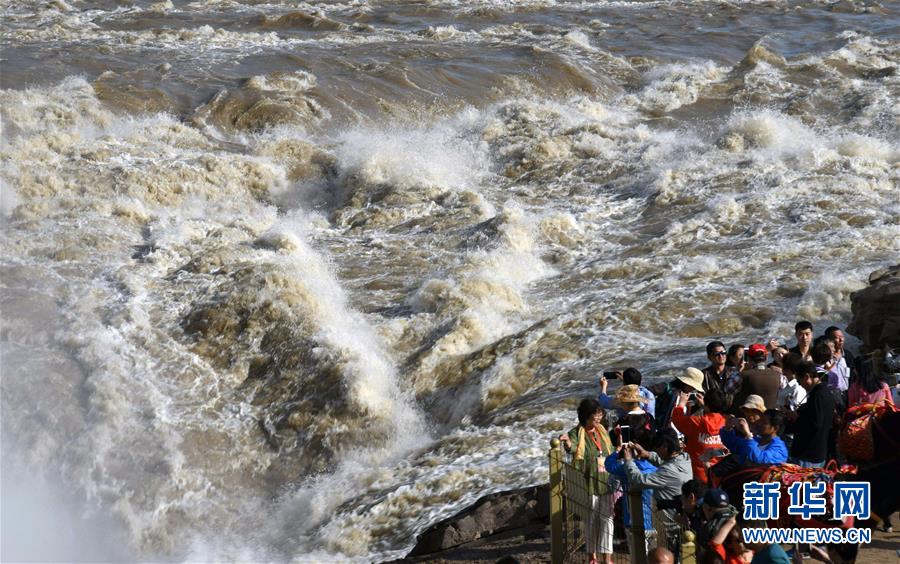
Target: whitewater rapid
(291, 282)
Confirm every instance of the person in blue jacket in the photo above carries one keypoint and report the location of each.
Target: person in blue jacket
(630, 376)
(615, 465)
(766, 447)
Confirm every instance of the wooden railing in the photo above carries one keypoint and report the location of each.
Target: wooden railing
(574, 518)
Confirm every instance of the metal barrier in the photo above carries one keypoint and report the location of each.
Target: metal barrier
(581, 523)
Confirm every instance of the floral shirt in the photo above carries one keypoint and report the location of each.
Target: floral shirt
(732, 380)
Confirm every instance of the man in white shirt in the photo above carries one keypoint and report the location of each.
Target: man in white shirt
(792, 395)
(844, 357)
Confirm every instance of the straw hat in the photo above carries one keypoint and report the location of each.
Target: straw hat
(630, 394)
(693, 378)
(756, 402)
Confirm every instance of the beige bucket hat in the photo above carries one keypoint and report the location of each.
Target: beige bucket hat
(756, 402)
(693, 378)
(630, 394)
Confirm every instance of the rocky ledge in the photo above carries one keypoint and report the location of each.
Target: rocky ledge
(511, 525)
(876, 310)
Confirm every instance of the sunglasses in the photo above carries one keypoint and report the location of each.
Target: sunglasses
(720, 353)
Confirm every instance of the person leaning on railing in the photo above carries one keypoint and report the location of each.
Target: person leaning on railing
(673, 468)
(615, 465)
(590, 444)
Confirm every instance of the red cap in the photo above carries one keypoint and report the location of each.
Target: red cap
(757, 349)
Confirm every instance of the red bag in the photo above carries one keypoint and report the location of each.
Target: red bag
(856, 440)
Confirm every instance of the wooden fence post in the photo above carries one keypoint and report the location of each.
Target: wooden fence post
(557, 540)
(688, 549)
(638, 546)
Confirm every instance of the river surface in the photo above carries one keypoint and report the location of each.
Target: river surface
(290, 281)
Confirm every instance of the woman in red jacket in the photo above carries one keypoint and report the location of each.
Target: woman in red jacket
(701, 432)
(729, 544)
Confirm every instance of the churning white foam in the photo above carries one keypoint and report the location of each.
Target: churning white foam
(161, 420)
(624, 230)
(672, 86)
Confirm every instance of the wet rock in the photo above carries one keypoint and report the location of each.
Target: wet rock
(845, 7)
(758, 53)
(876, 74)
(135, 92)
(303, 160)
(304, 21)
(876, 310)
(252, 109)
(492, 514)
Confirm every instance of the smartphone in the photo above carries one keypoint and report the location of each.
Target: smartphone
(611, 375)
(626, 433)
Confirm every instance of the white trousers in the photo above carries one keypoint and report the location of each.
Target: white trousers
(599, 524)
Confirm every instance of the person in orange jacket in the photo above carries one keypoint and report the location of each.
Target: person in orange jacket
(701, 432)
(729, 544)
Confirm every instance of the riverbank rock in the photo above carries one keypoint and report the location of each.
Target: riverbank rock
(876, 310)
(492, 514)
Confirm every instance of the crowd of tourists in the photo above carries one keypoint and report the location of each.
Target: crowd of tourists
(762, 404)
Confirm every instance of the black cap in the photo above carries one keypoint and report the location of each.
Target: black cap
(715, 498)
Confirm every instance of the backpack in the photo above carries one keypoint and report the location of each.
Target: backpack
(856, 440)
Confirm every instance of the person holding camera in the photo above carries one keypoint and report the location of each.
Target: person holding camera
(615, 465)
(667, 394)
(701, 432)
(672, 469)
(765, 447)
(632, 402)
(717, 510)
(630, 377)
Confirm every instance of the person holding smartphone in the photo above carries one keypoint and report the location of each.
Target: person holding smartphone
(701, 432)
(630, 377)
(615, 465)
(671, 469)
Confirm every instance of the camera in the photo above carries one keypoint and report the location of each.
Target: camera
(626, 433)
